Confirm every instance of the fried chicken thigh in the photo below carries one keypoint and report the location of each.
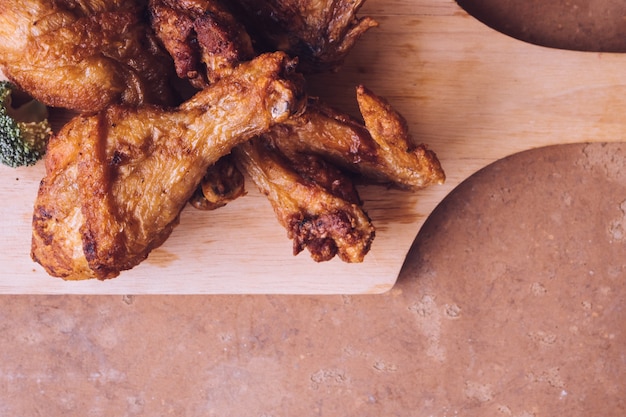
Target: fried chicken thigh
(117, 181)
(84, 55)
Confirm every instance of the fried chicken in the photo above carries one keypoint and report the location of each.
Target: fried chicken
(221, 184)
(205, 37)
(319, 33)
(381, 149)
(320, 211)
(84, 55)
(117, 181)
(291, 163)
(295, 165)
(205, 40)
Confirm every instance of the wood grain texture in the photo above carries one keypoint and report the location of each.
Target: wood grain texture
(472, 94)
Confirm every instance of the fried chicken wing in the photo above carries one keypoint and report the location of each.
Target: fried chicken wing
(84, 55)
(205, 37)
(320, 33)
(322, 215)
(205, 40)
(117, 181)
(381, 149)
(310, 197)
(295, 165)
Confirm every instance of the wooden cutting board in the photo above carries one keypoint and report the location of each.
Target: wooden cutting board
(472, 94)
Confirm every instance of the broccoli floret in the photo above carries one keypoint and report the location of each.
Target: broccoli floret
(24, 130)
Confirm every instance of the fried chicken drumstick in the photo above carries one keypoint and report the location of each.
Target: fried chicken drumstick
(315, 203)
(294, 163)
(84, 55)
(117, 181)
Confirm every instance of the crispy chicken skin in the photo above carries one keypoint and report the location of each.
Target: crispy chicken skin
(221, 184)
(117, 181)
(205, 40)
(206, 36)
(84, 55)
(381, 149)
(321, 215)
(319, 33)
(293, 163)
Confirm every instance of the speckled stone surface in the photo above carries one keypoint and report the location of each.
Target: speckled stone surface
(512, 302)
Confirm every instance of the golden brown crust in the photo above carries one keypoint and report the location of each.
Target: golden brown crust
(206, 37)
(205, 40)
(137, 167)
(319, 219)
(291, 163)
(320, 33)
(83, 56)
(380, 149)
(52, 243)
(116, 181)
